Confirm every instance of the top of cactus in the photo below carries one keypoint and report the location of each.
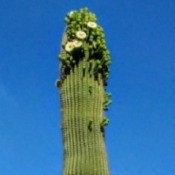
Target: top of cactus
(86, 38)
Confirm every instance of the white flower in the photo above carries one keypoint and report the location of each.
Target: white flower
(77, 43)
(92, 24)
(69, 46)
(71, 13)
(80, 34)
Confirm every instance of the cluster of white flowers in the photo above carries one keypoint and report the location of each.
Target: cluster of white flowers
(71, 45)
(80, 35)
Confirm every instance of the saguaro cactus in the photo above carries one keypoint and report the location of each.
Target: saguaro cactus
(83, 73)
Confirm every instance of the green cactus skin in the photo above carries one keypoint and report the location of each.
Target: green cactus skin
(83, 99)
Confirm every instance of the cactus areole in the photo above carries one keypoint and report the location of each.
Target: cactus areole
(84, 70)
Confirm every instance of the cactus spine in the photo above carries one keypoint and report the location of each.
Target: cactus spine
(83, 74)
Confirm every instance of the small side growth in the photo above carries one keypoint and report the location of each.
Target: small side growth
(107, 101)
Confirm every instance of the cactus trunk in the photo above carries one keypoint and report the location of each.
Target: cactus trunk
(84, 147)
(82, 93)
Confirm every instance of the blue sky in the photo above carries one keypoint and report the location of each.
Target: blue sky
(140, 36)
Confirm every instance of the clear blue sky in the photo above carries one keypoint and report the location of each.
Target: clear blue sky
(140, 35)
